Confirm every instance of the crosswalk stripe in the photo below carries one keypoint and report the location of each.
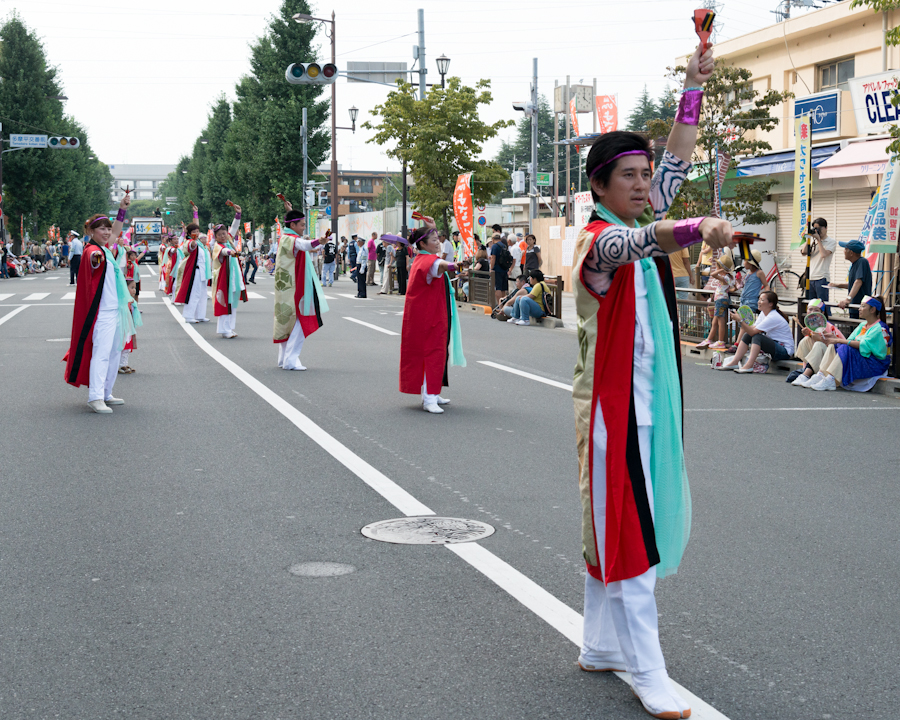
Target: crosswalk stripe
(36, 296)
(352, 297)
(5, 296)
(255, 296)
(69, 296)
(148, 294)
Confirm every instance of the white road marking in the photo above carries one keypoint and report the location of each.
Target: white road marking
(5, 296)
(152, 271)
(28, 279)
(69, 296)
(546, 606)
(36, 296)
(369, 325)
(522, 373)
(328, 297)
(347, 295)
(58, 339)
(786, 409)
(380, 483)
(149, 294)
(255, 296)
(14, 312)
(209, 293)
(55, 277)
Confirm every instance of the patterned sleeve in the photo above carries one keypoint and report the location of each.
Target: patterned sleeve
(618, 245)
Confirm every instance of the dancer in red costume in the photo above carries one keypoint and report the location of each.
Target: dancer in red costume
(195, 274)
(430, 338)
(228, 281)
(101, 321)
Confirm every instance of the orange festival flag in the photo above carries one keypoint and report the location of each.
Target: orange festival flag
(574, 120)
(462, 211)
(607, 113)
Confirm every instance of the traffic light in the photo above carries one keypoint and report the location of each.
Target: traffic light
(310, 198)
(68, 143)
(323, 197)
(311, 73)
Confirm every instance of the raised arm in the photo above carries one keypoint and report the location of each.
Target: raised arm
(236, 223)
(683, 136)
(120, 217)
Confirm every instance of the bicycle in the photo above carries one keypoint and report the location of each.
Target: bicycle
(781, 271)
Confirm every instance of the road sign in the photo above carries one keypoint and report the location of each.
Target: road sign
(328, 211)
(482, 220)
(28, 141)
(171, 199)
(481, 208)
(544, 179)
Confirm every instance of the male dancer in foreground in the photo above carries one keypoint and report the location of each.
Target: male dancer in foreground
(627, 394)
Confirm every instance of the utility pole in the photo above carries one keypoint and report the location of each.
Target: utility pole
(303, 140)
(334, 167)
(423, 71)
(555, 151)
(534, 145)
(568, 158)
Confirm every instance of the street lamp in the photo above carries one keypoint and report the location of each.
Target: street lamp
(353, 113)
(443, 63)
(304, 18)
(204, 141)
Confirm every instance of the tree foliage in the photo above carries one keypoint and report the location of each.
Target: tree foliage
(440, 137)
(43, 187)
(732, 111)
(515, 154)
(253, 148)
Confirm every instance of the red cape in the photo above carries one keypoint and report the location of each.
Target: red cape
(308, 323)
(187, 278)
(425, 338)
(88, 292)
(630, 540)
(223, 286)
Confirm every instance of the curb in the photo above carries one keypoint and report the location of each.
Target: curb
(885, 386)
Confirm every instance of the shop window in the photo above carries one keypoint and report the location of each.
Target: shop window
(836, 74)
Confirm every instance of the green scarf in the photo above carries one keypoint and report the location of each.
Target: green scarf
(128, 318)
(456, 349)
(235, 281)
(310, 281)
(671, 490)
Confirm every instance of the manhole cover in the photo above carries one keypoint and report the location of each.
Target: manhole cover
(320, 569)
(428, 530)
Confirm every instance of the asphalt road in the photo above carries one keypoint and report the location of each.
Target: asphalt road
(145, 556)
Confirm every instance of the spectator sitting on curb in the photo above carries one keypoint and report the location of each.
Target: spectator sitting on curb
(857, 362)
(812, 349)
(481, 264)
(532, 305)
(505, 309)
(770, 334)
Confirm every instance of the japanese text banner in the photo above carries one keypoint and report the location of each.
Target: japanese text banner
(463, 213)
(883, 235)
(802, 180)
(573, 117)
(607, 113)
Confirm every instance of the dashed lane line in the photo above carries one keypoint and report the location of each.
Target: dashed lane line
(542, 603)
(530, 376)
(370, 325)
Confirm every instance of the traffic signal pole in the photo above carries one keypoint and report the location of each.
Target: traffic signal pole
(304, 134)
(423, 71)
(334, 177)
(534, 144)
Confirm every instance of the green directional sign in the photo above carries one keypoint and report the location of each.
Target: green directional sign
(544, 179)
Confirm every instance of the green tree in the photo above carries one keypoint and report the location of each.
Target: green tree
(732, 110)
(645, 111)
(391, 195)
(440, 137)
(43, 187)
(262, 153)
(891, 37)
(517, 153)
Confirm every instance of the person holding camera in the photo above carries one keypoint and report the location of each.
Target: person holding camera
(820, 249)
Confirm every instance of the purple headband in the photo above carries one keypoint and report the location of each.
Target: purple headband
(218, 227)
(99, 219)
(628, 152)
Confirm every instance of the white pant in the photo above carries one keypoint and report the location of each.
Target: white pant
(105, 355)
(620, 619)
(225, 325)
(426, 398)
(289, 352)
(195, 308)
(123, 359)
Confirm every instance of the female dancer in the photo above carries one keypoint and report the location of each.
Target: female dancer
(228, 286)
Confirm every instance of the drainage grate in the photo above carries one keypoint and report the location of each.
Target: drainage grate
(320, 569)
(428, 530)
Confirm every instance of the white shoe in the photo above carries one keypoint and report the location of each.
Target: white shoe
(728, 366)
(231, 335)
(827, 383)
(203, 320)
(602, 662)
(511, 320)
(114, 401)
(432, 408)
(523, 322)
(815, 380)
(98, 406)
(442, 401)
(298, 366)
(802, 380)
(657, 695)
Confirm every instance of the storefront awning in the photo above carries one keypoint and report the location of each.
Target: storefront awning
(782, 162)
(858, 158)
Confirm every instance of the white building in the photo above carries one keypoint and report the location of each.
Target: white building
(143, 180)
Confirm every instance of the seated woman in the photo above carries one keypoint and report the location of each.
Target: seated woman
(770, 334)
(812, 348)
(531, 305)
(481, 264)
(857, 362)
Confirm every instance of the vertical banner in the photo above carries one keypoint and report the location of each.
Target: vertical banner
(277, 231)
(883, 237)
(802, 180)
(463, 212)
(573, 118)
(607, 113)
(312, 224)
(247, 227)
(865, 235)
(21, 228)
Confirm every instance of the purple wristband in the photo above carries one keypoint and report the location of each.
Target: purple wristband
(315, 243)
(451, 267)
(196, 214)
(689, 107)
(237, 215)
(687, 231)
(120, 216)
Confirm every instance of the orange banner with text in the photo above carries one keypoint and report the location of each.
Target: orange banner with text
(462, 211)
(573, 118)
(607, 113)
